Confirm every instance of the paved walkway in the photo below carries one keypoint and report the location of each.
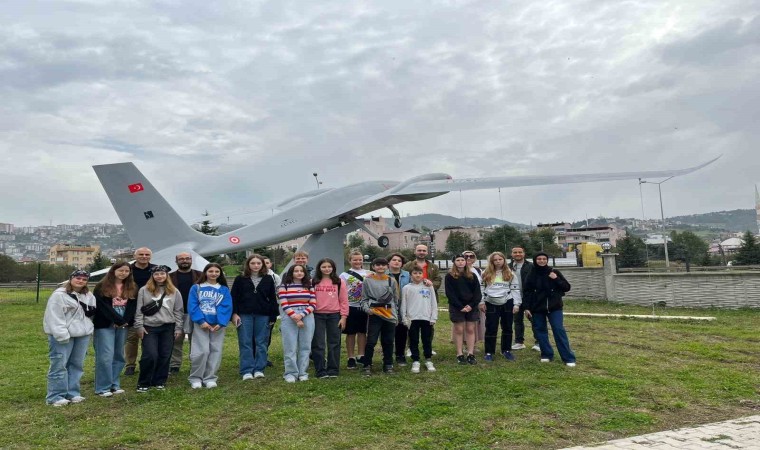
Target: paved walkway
(741, 433)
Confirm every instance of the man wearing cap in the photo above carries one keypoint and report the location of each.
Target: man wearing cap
(183, 278)
(141, 273)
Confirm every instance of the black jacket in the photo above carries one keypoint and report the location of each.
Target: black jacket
(541, 293)
(261, 300)
(105, 316)
(462, 291)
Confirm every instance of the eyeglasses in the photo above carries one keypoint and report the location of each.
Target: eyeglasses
(469, 256)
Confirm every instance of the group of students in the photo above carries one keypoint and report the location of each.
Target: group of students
(393, 302)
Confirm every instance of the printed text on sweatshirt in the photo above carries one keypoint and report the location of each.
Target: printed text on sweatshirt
(331, 298)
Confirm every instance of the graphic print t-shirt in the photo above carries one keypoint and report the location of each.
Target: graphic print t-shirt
(354, 286)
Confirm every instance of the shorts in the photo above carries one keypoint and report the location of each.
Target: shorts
(459, 316)
(356, 322)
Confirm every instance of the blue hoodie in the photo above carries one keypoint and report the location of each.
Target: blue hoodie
(210, 304)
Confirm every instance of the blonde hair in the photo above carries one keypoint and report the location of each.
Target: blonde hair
(153, 288)
(491, 272)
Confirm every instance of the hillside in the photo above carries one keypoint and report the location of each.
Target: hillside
(737, 220)
(437, 221)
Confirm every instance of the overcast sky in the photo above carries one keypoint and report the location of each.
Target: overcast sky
(228, 105)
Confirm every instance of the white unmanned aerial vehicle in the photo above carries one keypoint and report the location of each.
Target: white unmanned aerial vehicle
(325, 214)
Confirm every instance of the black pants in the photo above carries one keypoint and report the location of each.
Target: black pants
(385, 330)
(415, 329)
(401, 333)
(326, 329)
(156, 354)
(520, 326)
(494, 315)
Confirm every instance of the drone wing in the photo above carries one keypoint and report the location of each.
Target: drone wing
(466, 184)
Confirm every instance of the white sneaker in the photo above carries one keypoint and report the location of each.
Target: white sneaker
(104, 394)
(545, 360)
(117, 391)
(77, 399)
(61, 402)
(536, 348)
(196, 385)
(290, 379)
(303, 378)
(408, 353)
(416, 367)
(518, 346)
(570, 364)
(258, 375)
(432, 352)
(211, 385)
(247, 376)
(430, 366)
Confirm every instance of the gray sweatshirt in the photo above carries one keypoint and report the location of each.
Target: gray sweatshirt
(418, 303)
(171, 311)
(64, 317)
(499, 292)
(375, 288)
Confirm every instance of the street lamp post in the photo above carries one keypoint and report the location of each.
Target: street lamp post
(316, 179)
(662, 215)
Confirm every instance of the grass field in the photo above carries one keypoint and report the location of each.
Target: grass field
(632, 377)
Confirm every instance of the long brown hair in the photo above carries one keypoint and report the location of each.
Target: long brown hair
(491, 272)
(107, 286)
(153, 288)
(221, 280)
(454, 271)
(247, 272)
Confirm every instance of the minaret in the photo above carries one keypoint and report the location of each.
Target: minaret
(757, 207)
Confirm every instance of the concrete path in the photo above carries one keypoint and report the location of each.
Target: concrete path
(741, 433)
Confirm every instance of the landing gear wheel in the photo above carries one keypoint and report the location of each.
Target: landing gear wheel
(383, 241)
(397, 223)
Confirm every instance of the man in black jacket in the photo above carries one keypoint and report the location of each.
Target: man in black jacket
(183, 279)
(523, 267)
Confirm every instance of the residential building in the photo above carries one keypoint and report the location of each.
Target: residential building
(73, 255)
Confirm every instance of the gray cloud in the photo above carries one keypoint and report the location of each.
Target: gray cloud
(229, 105)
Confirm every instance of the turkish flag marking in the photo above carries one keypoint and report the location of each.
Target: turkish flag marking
(137, 187)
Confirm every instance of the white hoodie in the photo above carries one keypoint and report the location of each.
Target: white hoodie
(64, 316)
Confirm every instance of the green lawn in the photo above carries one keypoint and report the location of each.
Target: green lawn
(632, 377)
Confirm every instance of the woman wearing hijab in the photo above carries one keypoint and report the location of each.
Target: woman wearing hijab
(543, 291)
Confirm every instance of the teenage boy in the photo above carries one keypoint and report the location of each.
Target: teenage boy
(356, 325)
(419, 309)
(380, 302)
(521, 267)
(395, 262)
(141, 273)
(302, 258)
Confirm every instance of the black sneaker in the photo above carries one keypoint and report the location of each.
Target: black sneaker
(174, 370)
(461, 360)
(388, 369)
(269, 364)
(129, 371)
(401, 361)
(351, 363)
(160, 387)
(322, 375)
(471, 359)
(367, 370)
(142, 389)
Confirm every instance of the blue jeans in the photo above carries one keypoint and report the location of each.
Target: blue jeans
(296, 344)
(109, 357)
(66, 368)
(253, 327)
(560, 335)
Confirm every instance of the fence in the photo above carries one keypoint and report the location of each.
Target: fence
(26, 291)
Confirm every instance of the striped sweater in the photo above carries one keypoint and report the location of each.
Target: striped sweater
(296, 299)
